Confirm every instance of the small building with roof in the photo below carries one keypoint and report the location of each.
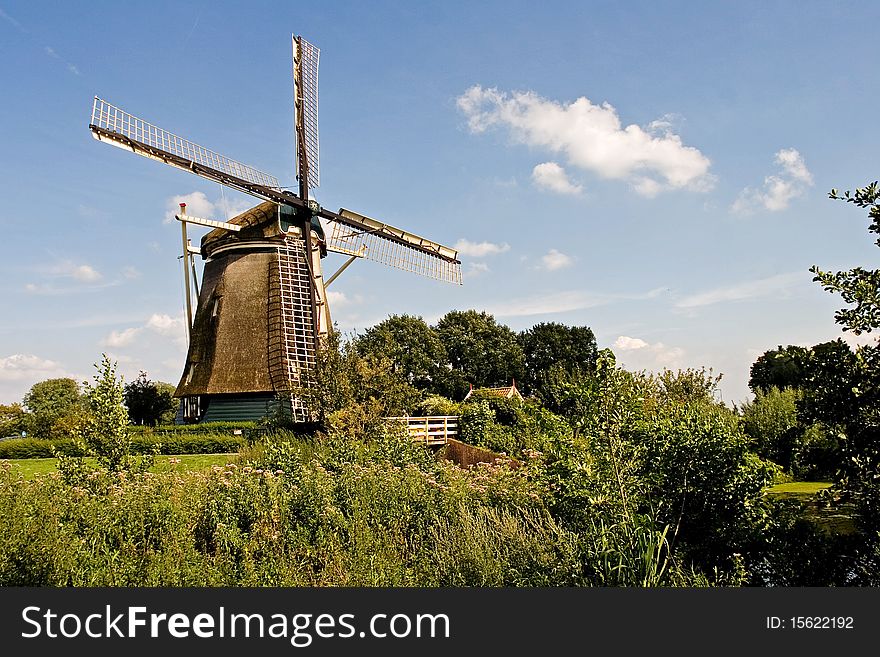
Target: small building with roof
(506, 392)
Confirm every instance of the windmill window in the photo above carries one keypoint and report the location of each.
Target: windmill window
(190, 372)
(216, 310)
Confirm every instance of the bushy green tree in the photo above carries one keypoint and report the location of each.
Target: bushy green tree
(350, 393)
(771, 421)
(857, 407)
(569, 349)
(106, 434)
(149, 402)
(413, 347)
(479, 351)
(48, 402)
(13, 420)
(778, 368)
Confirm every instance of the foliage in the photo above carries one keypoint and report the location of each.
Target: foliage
(857, 286)
(475, 422)
(143, 443)
(13, 420)
(48, 402)
(104, 433)
(413, 348)
(507, 411)
(222, 427)
(778, 368)
(149, 402)
(436, 405)
(567, 393)
(480, 352)
(771, 422)
(353, 393)
(569, 348)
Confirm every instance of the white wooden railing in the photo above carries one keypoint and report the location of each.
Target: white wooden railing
(430, 430)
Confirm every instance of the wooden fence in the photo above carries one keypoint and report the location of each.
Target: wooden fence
(431, 430)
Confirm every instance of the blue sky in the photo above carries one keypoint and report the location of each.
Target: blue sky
(657, 171)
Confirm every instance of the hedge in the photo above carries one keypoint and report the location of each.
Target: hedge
(184, 443)
(207, 427)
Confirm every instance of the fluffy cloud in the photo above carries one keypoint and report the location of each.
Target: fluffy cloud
(336, 299)
(19, 372)
(479, 249)
(476, 268)
(198, 205)
(28, 366)
(122, 338)
(553, 260)
(591, 137)
(158, 324)
(84, 277)
(791, 180)
(640, 354)
(550, 175)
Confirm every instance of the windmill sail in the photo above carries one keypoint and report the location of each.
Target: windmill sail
(119, 128)
(356, 234)
(310, 56)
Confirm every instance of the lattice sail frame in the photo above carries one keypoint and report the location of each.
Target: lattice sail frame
(310, 57)
(358, 235)
(119, 128)
(292, 356)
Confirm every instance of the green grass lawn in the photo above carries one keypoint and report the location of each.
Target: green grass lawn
(799, 487)
(32, 467)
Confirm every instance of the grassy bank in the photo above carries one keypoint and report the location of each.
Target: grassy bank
(29, 468)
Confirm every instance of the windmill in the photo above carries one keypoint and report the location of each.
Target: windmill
(262, 313)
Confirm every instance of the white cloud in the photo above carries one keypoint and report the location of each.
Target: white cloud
(199, 205)
(592, 138)
(479, 249)
(158, 324)
(19, 372)
(122, 338)
(85, 274)
(778, 285)
(165, 324)
(550, 175)
(28, 366)
(336, 299)
(131, 273)
(553, 260)
(791, 181)
(476, 268)
(626, 343)
(640, 354)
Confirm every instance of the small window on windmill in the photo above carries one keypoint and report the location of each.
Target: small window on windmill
(216, 309)
(190, 373)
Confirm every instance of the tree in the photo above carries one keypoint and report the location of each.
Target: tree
(149, 402)
(856, 406)
(13, 420)
(571, 348)
(857, 286)
(106, 431)
(771, 421)
(413, 347)
(50, 400)
(480, 352)
(778, 368)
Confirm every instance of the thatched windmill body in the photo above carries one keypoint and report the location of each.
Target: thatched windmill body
(262, 313)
